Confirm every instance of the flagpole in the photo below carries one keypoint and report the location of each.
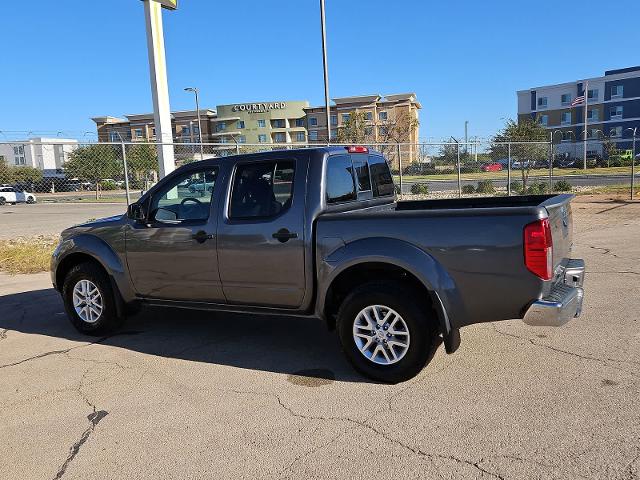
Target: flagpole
(586, 106)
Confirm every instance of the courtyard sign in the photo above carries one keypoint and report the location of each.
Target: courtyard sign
(259, 107)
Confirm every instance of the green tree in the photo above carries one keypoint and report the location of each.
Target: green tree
(142, 159)
(25, 174)
(94, 163)
(529, 144)
(355, 129)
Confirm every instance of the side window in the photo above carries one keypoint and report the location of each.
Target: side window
(361, 168)
(380, 176)
(339, 182)
(262, 190)
(187, 197)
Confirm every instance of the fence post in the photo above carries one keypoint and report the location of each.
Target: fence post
(633, 163)
(509, 170)
(459, 179)
(400, 168)
(126, 173)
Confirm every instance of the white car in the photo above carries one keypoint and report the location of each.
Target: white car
(13, 195)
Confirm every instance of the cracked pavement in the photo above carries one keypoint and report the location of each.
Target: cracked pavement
(173, 395)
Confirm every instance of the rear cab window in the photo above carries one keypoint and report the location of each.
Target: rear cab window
(352, 177)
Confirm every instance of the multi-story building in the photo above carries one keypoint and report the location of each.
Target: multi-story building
(45, 154)
(390, 119)
(613, 110)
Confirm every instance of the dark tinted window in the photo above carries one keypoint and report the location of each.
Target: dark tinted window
(380, 176)
(340, 186)
(362, 172)
(262, 189)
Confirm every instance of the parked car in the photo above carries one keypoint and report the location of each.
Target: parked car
(15, 195)
(318, 233)
(491, 167)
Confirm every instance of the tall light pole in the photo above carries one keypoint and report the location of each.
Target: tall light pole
(326, 69)
(633, 159)
(466, 137)
(195, 91)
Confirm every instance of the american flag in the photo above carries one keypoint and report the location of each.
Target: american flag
(578, 100)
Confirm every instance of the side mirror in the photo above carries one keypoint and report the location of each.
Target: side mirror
(136, 212)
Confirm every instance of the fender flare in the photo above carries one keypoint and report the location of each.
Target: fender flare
(433, 276)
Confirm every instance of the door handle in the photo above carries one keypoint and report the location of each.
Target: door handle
(202, 236)
(283, 235)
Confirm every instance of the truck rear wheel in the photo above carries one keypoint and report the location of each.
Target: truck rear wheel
(385, 332)
(89, 299)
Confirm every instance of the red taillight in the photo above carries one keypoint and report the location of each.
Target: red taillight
(357, 149)
(538, 249)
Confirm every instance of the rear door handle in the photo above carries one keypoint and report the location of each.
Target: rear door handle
(202, 236)
(283, 235)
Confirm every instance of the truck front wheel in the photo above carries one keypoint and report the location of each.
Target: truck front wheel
(386, 332)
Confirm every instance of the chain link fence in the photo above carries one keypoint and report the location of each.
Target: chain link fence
(120, 172)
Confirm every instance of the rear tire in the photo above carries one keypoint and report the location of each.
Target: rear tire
(2, 201)
(31, 200)
(89, 300)
(415, 325)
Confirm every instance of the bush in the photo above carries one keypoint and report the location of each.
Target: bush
(516, 187)
(468, 189)
(469, 169)
(419, 189)
(562, 186)
(537, 188)
(447, 171)
(108, 185)
(486, 186)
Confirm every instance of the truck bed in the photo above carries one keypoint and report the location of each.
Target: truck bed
(475, 202)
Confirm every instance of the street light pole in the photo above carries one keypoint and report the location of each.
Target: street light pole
(633, 159)
(326, 69)
(195, 91)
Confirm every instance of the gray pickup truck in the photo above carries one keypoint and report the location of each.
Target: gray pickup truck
(317, 232)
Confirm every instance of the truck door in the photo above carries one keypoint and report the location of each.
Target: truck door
(172, 255)
(261, 249)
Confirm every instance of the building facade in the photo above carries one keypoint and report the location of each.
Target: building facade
(276, 122)
(46, 154)
(613, 110)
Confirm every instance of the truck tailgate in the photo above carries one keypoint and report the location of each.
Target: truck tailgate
(561, 223)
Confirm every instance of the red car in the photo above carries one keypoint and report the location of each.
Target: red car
(491, 167)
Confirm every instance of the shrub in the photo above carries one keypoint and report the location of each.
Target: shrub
(468, 189)
(447, 171)
(108, 185)
(469, 169)
(562, 186)
(516, 187)
(419, 189)
(537, 188)
(486, 186)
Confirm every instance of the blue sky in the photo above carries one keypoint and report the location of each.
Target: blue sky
(65, 61)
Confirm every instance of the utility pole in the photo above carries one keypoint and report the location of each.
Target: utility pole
(466, 137)
(326, 69)
(195, 91)
(159, 85)
(586, 106)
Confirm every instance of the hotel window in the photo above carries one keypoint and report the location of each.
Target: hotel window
(542, 102)
(299, 122)
(221, 126)
(300, 137)
(196, 130)
(19, 155)
(616, 112)
(113, 137)
(368, 115)
(592, 94)
(617, 91)
(368, 131)
(593, 133)
(565, 119)
(615, 132)
(334, 133)
(137, 133)
(262, 123)
(242, 139)
(313, 136)
(345, 118)
(313, 122)
(382, 131)
(262, 138)
(565, 99)
(153, 131)
(186, 131)
(334, 119)
(224, 140)
(278, 123)
(382, 116)
(280, 137)
(593, 115)
(240, 124)
(544, 120)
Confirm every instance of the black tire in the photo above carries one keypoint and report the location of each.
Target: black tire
(108, 320)
(418, 316)
(2, 201)
(31, 200)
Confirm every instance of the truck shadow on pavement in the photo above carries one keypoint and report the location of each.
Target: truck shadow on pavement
(293, 346)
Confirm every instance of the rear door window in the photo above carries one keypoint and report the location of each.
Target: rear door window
(361, 168)
(340, 186)
(382, 182)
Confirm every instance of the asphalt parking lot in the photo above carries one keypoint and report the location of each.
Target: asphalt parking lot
(190, 395)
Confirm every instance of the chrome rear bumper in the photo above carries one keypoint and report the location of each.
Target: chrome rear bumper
(563, 303)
